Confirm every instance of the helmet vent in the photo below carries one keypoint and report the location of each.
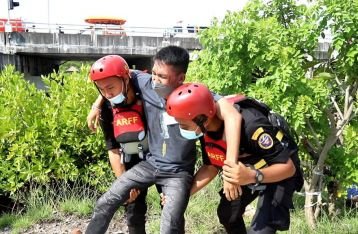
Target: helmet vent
(189, 90)
(180, 93)
(101, 69)
(196, 85)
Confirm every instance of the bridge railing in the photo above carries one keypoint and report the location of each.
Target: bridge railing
(60, 39)
(121, 30)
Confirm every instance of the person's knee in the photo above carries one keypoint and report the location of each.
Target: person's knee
(108, 203)
(100, 203)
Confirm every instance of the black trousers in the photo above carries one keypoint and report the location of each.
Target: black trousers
(272, 211)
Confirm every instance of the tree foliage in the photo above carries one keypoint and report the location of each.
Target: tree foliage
(269, 51)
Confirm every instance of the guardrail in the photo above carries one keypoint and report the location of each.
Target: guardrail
(121, 30)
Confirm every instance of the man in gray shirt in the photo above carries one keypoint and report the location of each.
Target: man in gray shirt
(171, 159)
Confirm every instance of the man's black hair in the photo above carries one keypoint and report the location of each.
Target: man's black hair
(200, 120)
(175, 56)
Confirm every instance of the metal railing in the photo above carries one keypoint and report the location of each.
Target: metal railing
(102, 29)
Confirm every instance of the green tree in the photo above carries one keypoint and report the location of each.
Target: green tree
(269, 51)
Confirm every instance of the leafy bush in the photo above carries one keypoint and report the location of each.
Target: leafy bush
(43, 133)
(269, 51)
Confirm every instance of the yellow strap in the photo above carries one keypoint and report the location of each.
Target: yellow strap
(260, 164)
(257, 133)
(279, 135)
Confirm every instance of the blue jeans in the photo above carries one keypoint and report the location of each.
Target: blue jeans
(175, 186)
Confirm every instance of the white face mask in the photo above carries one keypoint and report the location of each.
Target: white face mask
(190, 135)
(162, 90)
(117, 99)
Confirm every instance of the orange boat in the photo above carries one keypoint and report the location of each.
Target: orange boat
(105, 20)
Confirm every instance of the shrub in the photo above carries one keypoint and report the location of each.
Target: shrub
(43, 133)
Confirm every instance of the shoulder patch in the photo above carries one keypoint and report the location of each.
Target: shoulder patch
(265, 141)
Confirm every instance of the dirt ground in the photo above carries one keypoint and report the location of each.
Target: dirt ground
(65, 225)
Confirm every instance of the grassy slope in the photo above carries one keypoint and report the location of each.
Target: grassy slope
(200, 215)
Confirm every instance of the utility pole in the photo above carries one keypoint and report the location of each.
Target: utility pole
(8, 24)
(11, 5)
(48, 16)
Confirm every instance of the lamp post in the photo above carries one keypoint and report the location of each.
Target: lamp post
(8, 24)
(10, 6)
(48, 16)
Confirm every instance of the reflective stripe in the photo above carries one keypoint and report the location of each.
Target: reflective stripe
(279, 135)
(164, 149)
(257, 133)
(260, 164)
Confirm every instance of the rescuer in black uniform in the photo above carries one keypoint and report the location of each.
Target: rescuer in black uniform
(268, 166)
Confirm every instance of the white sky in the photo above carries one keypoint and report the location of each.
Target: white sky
(147, 13)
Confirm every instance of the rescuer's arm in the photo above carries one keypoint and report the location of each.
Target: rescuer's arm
(232, 121)
(203, 176)
(118, 168)
(242, 175)
(264, 141)
(94, 114)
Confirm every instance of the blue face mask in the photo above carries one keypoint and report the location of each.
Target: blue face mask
(117, 99)
(190, 135)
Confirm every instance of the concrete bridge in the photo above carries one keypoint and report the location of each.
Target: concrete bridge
(40, 50)
(39, 53)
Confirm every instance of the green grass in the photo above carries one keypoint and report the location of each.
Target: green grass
(42, 202)
(200, 215)
(6, 220)
(32, 216)
(80, 207)
(46, 203)
(153, 213)
(345, 223)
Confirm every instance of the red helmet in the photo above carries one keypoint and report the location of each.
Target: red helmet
(190, 100)
(108, 66)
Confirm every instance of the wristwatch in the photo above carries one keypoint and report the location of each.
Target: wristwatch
(259, 176)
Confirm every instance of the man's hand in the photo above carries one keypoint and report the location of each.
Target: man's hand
(133, 194)
(93, 118)
(232, 191)
(238, 174)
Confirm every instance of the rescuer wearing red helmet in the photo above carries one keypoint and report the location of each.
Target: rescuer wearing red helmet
(111, 76)
(268, 165)
(171, 160)
(122, 122)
